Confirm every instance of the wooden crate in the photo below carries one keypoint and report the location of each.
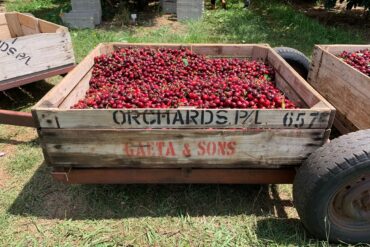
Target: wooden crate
(30, 47)
(346, 88)
(173, 138)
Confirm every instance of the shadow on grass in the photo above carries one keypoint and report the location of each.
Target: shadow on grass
(25, 96)
(46, 198)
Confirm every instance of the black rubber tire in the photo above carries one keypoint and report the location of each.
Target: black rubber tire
(296, 59)
(327, 172)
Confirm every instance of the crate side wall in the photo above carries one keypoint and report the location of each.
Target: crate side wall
(180, 148)
(343, 86)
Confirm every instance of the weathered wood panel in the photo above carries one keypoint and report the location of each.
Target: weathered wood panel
(78, 92)
(33, 53)
(184, 118)
(343, 86)
(301, 87)
(185, 148)
(58, 93)
(13, 24)
(4, 30)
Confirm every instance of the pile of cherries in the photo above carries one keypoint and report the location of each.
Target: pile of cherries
(173, 78)
(360, 60)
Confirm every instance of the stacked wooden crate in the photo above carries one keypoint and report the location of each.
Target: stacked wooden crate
(84, 14)
(32, 49)
(189, 9)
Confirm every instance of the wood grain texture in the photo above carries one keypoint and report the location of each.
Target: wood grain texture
(4, 32)
(174, 148)
(343, 86)
(184, 118)
(13, 24)
(338, 49)
(29, 21)
(77, 93)
(2, 19)
(302, 88)
(34, 53)
(22, 80)
(57, 95)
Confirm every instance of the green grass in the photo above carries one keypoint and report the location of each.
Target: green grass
(37, 211)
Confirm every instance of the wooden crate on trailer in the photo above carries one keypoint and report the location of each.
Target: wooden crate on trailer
(173, 138)
(31, 48)
(346, 88)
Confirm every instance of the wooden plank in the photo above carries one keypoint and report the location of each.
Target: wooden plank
(13, 24)
(48, 27)
(19, 81)
(289, 91)
(218, 50)
(174, 148)
(315, 64)
(28, 31)
(259, 53)
(174, 176)
(346, 88)
(4, 32)
(184, 118)
(3, 19)
(34, 53)
(56, 96)
(214, 50)
(355, 79)
(338, 49)
(306, 92)
(152, 45)
(28, 21)
(77, 93)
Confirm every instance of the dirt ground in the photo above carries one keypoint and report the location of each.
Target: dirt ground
(356, 18)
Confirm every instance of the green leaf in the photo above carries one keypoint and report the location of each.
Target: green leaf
(267, 77)
(185, 61)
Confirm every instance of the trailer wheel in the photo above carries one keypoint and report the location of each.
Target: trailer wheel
(296, 59)
(331, 190)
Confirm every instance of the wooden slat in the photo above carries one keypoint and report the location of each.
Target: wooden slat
(28, 21)
(213, 50)
(184, 118)
(19, 81)
(345, 87)
(259, 53)
(174, 176)
(13, 24)
(305, 91)
(2, 19)
(28, 31)
(77, 93)
(338, 49)
(185, 148)
(56, 96)
(34, 53)
(48, 27)
(289, 91)
(4, 32)
(217, 50)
